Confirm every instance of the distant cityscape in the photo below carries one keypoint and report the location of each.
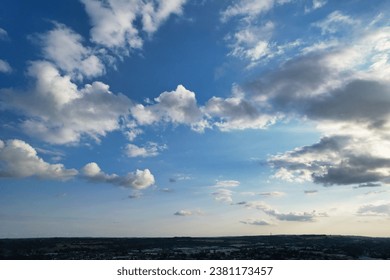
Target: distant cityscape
(277, 247)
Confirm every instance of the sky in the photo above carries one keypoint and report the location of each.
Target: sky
(159, 118)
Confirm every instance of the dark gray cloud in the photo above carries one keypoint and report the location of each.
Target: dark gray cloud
(368, 185)
(332, 161)
(382, 209)
(310, 191)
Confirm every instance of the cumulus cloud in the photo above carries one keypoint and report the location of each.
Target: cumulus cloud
(18, 160)
(344, 93)
(178, 106)
(332, 161)
(61, 113)
(223, 195)
(65, 49)
(291, 216)
(114, 22)
(150, 150)
(140, 179)
(5, 67)
(237, 113)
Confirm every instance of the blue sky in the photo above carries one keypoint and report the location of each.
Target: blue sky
(194, 118)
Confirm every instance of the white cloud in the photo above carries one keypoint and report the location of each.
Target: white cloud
(18, 159)
(114, 22)
(316, 5)
(154, 14)
(64, 48)
(5, 67)
(291, 216)
(223, 195)
(272, 194)
(3, 34)
(140, 179)
(227, 184)
(150, 150)
(251, 41)
(178, 106)
(60, 113)
(334, 21)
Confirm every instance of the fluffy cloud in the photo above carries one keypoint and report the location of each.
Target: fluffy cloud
(236, 113)
(5, 67)
(18, 159)
(178, 106)
(150, 150)
(64, 48)
(335, 160)
(140, 179)
(114, 22)
(60, 113)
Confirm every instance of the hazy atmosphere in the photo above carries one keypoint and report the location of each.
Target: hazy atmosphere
(145, 118)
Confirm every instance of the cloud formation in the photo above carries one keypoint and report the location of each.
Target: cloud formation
(227, 184)
(61, 113)
(291, 216)
(178, 106)
(140, 179)
(19, 160)
(378, 209)
(5, 67)
(117, 24)
(223, 195)
(344, 92)
(257, 222)
(185, 213)
(65, 49)
(151, 149)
